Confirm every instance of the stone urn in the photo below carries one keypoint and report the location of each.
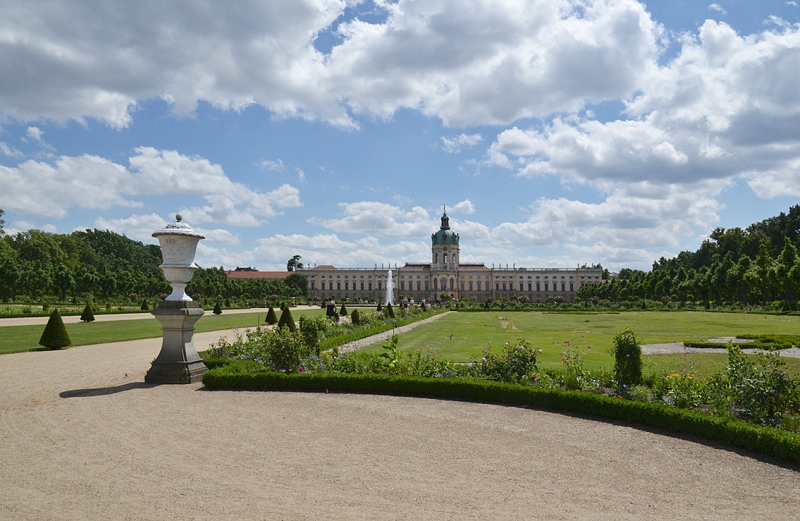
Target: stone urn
(178, 248)
(178, 361)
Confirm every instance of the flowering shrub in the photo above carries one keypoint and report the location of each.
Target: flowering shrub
(759, 391)
(682, 390)
(517, 363)
(572, 360)
(277, 349)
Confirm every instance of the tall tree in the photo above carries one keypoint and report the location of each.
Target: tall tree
(294, 263)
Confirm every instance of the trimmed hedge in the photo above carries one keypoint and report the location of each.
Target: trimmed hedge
(737, 433)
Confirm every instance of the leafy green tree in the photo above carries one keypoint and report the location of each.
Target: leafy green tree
(294, 263)
(298, 283)
(55, 334)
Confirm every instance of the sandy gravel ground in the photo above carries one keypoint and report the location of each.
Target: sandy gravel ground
(81, 437)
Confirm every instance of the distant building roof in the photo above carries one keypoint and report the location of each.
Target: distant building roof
(253, 274)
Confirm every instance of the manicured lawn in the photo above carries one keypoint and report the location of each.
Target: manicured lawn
(593, 334)
(14, 339)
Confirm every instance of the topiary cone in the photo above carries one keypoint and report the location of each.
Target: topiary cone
(217, 309)
(87, 315)
(355, 318)
(287, 320)
(389, 310)
(380, 307)
(272, 318)
(343, 311)
(145, 305)
(55, 334)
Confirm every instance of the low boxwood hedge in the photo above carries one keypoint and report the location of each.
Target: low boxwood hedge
(762, 440)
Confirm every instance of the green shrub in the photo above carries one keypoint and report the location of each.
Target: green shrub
(87, 315)
(627, 358)
(217, 309)
(355, 317)
(286, 320)
(343, 310)
(312, 331)
(423, 307)
(272, 318)
(572, 360)
(145, 305)
(55, 333)
(760, 390)
(389, 310)
(517, 363)
(380, 307)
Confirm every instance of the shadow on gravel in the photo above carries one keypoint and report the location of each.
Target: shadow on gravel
(103, 391)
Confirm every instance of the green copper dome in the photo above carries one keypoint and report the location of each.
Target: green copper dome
(445, 235)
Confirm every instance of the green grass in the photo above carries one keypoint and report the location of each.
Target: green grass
(14, 339)
(593, 334)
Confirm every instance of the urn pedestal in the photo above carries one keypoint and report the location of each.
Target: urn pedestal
(178, 361)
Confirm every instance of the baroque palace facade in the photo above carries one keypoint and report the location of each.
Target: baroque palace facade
(446, 275)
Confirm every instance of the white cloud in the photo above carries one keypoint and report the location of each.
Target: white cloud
(380, 220)
(726, 106)
(454, 145)
(41, 188)
(718, 8)
(301, 176)
(277, 166)
(465, 61)
(35, 133)
(139, 227)
(464, 206)
(10, 151)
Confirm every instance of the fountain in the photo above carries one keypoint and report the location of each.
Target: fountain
(389, 289)
(178, 361)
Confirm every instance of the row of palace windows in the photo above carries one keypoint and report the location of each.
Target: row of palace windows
(443, 285)
(346, 286)
(444, 258)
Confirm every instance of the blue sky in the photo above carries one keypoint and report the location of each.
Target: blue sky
(556, 132)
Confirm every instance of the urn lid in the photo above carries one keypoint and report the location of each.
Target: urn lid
(178, 228)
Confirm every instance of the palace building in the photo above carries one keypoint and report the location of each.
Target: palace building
(446, 275)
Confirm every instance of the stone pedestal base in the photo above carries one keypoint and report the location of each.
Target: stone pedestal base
(178, 361)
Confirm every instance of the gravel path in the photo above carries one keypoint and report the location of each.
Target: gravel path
(74, 319)
(380, 337)
(678, 347)
(82, 437)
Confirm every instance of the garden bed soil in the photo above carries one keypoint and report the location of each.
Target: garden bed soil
(84, 438)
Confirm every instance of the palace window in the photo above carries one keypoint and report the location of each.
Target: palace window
(562, 287)
(529, 286)
(346, 286)
(369, 285)
(479, 285)
(470, 285)
(452, 285)
(545, 286)
(419, 285)
(338, 285)
(462, 285)
(537, 287)
(571, 287)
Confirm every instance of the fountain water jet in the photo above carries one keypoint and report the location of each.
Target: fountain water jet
(389, 289)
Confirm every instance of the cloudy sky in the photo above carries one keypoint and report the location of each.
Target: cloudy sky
(557, 132)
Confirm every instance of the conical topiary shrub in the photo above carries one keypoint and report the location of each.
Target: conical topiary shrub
(389, 310)
(55, 334)
(343, 311)
(145, 305)
(287, 320)
(272, 318)
(380, 307)
(423, 307)
(87, 315)
(217, 309)
(355, 318)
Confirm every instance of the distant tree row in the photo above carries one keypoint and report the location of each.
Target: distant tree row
(755, 266)
(107, 265)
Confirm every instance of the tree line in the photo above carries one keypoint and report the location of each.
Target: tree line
(755, 266)
(106, 265)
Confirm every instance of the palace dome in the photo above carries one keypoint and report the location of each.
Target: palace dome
(445, 235)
